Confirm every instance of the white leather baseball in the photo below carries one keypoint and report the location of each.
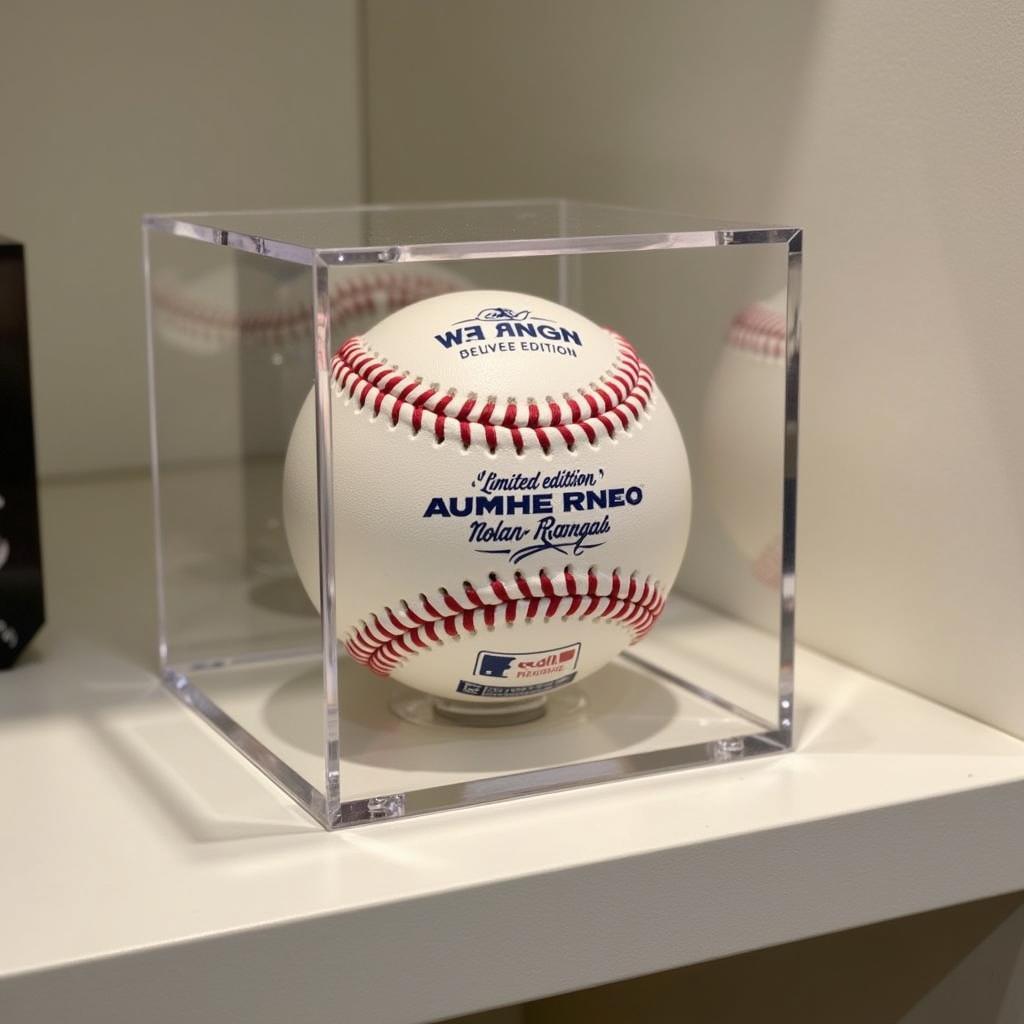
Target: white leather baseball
(742, 435)
(511, 496)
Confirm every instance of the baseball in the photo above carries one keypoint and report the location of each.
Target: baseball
(743, 453)
(511, 496)
(204, 315)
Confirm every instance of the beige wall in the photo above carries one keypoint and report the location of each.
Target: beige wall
(110, 109)
(895, 134)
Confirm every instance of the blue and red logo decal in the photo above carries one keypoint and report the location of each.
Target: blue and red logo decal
(515, 674)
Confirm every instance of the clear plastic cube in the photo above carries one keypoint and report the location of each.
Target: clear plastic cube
(246, 312)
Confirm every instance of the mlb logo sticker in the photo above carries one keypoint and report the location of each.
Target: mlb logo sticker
(527, 666)
(494, 666)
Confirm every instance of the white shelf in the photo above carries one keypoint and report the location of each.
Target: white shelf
(148, 872)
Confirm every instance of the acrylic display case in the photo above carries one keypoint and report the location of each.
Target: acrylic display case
(245, 313)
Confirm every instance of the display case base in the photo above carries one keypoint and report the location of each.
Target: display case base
(401, 758)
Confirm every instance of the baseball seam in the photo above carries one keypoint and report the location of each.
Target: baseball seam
(384, 641)
(347, 300)
(599, 410)
(625, 353)
(760, 331)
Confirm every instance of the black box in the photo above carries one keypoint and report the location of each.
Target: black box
(21, 568)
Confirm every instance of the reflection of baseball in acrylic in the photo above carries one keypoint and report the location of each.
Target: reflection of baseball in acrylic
(742, 436)
(205, 314)
(511, 496)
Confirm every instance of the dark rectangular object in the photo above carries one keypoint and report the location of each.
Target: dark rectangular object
(21, 568)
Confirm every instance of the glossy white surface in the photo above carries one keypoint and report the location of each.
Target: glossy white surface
(151, 869)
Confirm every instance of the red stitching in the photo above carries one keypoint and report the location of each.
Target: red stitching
(346, 299)
(415, 628)
(767, 567)
(600, 411)
(760, 330)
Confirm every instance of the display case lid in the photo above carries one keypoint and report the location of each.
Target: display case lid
(450, 231)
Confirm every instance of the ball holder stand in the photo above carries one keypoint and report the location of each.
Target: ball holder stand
(422, 709)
